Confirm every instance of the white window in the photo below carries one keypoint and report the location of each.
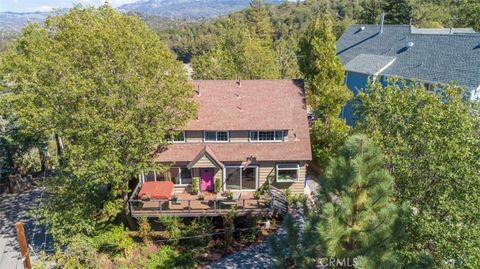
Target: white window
(216, 136)
(240, 178)
(181, 175)
(287, 172)
(266, 136)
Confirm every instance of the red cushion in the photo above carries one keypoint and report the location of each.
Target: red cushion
(156, 190)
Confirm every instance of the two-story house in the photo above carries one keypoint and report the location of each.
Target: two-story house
(247, 134)
(430, 56)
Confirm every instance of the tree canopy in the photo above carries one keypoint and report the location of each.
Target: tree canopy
(432, 145)
(105, 84)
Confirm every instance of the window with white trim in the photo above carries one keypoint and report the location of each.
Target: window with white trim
(287, 172)
(266, 136)
(240, 178)
(181, 175)
(216, 136)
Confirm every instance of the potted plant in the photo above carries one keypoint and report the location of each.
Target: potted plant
(229, 195)
(256, 195)
(201, 197)
(174, 198)
(218, 185)
(195, 186)
(146, 197)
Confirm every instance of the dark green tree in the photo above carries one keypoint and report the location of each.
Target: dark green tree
(327, 94)
(259, 21)
(371, 10)
(432, 147)
(105, 83)
(397, 11)
(358, 217)
(470, 14)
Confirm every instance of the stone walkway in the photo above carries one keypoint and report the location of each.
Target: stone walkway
(14, 207)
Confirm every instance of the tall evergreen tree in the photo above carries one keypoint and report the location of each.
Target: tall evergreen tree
(397, 11)
(358, 218)
(259, 21)
(327, 94)
(371, 10)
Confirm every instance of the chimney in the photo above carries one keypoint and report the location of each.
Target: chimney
(382, 21)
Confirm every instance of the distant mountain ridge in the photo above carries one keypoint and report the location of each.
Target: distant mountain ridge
(14, 21)
(189, 9)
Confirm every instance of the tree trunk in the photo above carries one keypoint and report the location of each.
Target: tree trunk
(59, 143)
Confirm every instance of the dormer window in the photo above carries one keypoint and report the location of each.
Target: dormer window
(216, 136)
(266, 136)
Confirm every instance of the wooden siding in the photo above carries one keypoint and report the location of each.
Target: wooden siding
(267, 172)
(204, 162)
(194, 136)
(238, 136)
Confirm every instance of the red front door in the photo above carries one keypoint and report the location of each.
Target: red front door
(206, 179)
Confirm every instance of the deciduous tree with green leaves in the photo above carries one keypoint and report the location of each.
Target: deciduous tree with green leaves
(397, 11)
(432, 145)
(327, 94)
(470, 14)
(104, 82)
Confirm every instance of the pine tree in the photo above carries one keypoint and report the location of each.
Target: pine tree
(470, 14)
(371, 10)
(259, 21)
(358, 218)
(327, 94)
(397, 11)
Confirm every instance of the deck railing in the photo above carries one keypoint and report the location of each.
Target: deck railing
(210, 206)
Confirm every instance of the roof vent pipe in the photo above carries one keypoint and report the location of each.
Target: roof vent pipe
(410, 44)
(382, 21)
(198, 90)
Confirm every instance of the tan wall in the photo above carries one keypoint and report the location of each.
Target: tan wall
(194, 136)
(204, 162)
(238, 136)
(267, 172)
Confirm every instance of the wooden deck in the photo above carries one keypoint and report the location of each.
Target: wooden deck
(189, 205)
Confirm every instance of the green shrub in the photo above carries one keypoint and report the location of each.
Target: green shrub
(218, 185)
(195, 185)
(174, 228)
(144, 229)
(199, 226)
(114, 241)
(167, 257)
(229, 225)
(80, 253)
(264, 188)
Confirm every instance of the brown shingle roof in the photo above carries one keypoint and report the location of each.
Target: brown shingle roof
(254, 105)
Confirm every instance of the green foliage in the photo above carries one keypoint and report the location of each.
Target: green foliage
(106, 84)
(174, 228)
(371, 10)
(113, 241)
(144, 229)
(195, 185)
(167, 257)
(470, 14)
(229, 225)
(431, 142)
(397, 11)
(238, 54)
(80, 253)
(357, 215)
(327, 94)
(198, 227)
(294, 249)
(218, 185)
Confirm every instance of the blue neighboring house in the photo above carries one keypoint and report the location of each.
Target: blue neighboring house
(429, 56)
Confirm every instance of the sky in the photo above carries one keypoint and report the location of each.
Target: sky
(48, 5)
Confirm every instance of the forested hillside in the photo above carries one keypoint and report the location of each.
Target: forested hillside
(289, 20)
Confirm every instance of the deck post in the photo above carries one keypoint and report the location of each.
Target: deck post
(243, 204)
(189, 207)
(160, 205)
(215, 205)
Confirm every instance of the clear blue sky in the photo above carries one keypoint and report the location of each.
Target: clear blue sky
(47, 5)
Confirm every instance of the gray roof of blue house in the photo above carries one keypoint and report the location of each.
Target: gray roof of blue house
(432, 57)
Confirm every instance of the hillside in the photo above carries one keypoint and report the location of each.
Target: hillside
(188, 9)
